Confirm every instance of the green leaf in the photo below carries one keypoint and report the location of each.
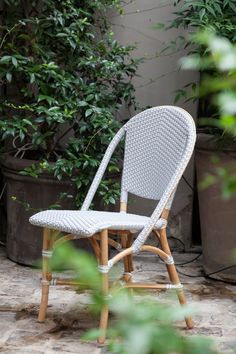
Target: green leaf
(159, 25)
(202, 13)
(5, 59)
(45, 98)
(207, 181)
(82, 103)
(88, 112)
(9, 77)
(61, 35)
(227, 102)
(90, 97)
(32, 78)
(232, 6)
(14, 61)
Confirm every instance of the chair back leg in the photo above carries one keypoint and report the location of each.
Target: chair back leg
(46, 273)
(126, 242)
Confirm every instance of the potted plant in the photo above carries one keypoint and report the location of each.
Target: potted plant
(216, 165)
(215, 148)
(64, 79)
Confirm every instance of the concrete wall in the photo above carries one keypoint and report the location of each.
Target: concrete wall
(159, 77)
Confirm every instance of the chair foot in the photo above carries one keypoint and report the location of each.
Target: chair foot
(183, 302)
(189, 322)
(103, 325)
(127, 277)
(43, 304)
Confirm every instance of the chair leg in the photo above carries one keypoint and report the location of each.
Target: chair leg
(46, 274)
(126, 275)
(105, 285)
(173, 275)
(130, 257)
(126, 241)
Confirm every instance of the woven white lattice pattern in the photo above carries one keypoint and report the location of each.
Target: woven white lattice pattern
(87, 223)
(154, 145)
(187, 125)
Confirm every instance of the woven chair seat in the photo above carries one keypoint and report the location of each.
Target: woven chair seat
(87, 223)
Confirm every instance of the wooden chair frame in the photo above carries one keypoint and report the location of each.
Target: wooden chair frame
(101, 252)
(152, 169)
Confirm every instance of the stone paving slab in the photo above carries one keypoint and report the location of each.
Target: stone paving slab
(68, 317)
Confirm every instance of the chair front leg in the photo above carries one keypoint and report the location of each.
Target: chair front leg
(105, 284)
(126, 241)
(46, 273)
(173, 275)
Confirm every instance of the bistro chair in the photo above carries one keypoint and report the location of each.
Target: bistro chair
(158, 145)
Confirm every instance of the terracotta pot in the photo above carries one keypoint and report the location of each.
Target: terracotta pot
(217, 216)
(24, 241)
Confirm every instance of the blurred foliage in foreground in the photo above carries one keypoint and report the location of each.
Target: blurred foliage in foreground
(220, 56)
(219, 81)
(142, 326)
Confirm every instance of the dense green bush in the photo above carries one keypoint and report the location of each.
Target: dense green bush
(217, 15)
(64, 78)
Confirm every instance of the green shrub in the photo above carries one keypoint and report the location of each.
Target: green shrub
(218, 17)
(64, 78)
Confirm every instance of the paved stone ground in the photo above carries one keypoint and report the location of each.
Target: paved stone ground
(68, 316)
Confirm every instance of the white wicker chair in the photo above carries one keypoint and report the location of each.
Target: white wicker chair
(158, 145)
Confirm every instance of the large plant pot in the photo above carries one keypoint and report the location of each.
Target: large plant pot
(24, 241)
(217, 216)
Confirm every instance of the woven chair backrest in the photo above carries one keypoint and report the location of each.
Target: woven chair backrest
(155, 144)
(158, 145)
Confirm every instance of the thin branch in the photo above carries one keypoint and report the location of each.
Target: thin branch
(2, 191)
(151, 81)
(136, 30)
(144, 10)
(8, 32)
(156, 56)
(90, 140)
